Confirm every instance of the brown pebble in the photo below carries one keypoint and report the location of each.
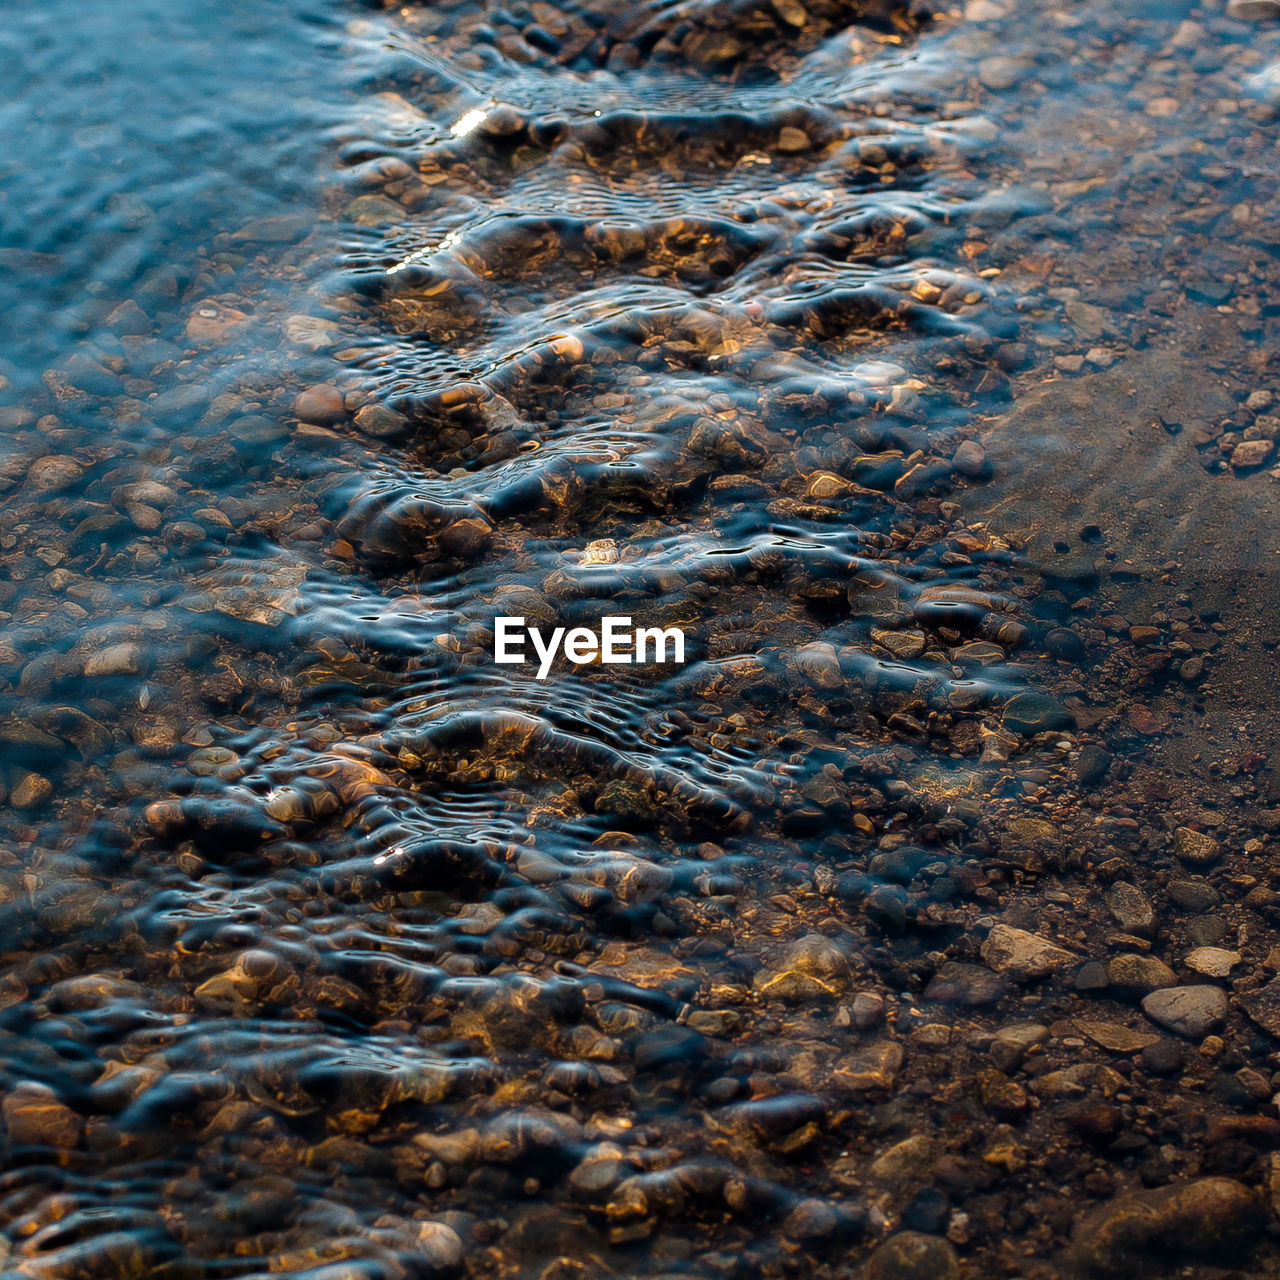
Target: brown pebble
(320, 404)
(35, 1118)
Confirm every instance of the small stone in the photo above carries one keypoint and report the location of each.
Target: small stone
(904, 1162)
(812, 968)
(1249, 454)
(310, 332)
(1024, 956)
(904, 645)
(1253, 10)
(791, 12)
(867, 1010)
(1092, 977)
(965, 984)
(1138, 973)
(1263, 1006)
(1032, 713)
(1131, 909)
(1093, 764)
(791, 139)
(1001, 72)
(1163, 1057)
(35, 1118)
(1190, 1011)
(320, 404)
(812, 1219)
(818, 664)
(381, 421)
(1213, 962)
(31, 791)
(970, 459)
(373, 211)
(1114, 1035)
(1206, 931)
(115, 660)
(211, 322)
(439, 1248)
(874, 1067)
(1195, 847)
(48, 475)
(1208, 1220)
(1194, 895)
(1001, 1097)
(911, 1255)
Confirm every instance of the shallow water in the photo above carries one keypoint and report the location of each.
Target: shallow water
(905, 360)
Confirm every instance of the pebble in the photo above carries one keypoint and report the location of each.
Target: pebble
(1213, 962)
(812, 968)
(1163, 1057)
(911, 1255)
(1263, 1006)
(1195, 847)
(1115, 1035)
(1138, 973)
(904, 1162)
(310, 332)
(31, 791)
(867, 1010)
(1131, 909)
(115, 660)
(48, 475)
(819, 665)
(1093, 765)
(1253, 10)
(378, 420)
(1001, 72)
(1208, 1220)
(1023, 956)
(1190, 1011)
(1249, 454)
(970, 459)
(1194, 895)
(320, 404)
(35, 1118)
(874, 1067)
(902, 644)
(1032, 713)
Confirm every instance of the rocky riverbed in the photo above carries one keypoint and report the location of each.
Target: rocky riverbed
(918, 363)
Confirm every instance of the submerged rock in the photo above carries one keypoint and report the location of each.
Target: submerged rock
(1156, 1232)
(1190, 1011)
(1023, 956)
(910, 1255)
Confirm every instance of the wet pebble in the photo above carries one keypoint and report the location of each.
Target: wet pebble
(1131, 909)
(1195, 848)
(115, 660)
(1190, 1011)
(34, 1117)
(1209, 1220)
(321, 404)
(1139, 973)
(1023, 956)
(1213, 962)
(912, 1256)
(1032, 713)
